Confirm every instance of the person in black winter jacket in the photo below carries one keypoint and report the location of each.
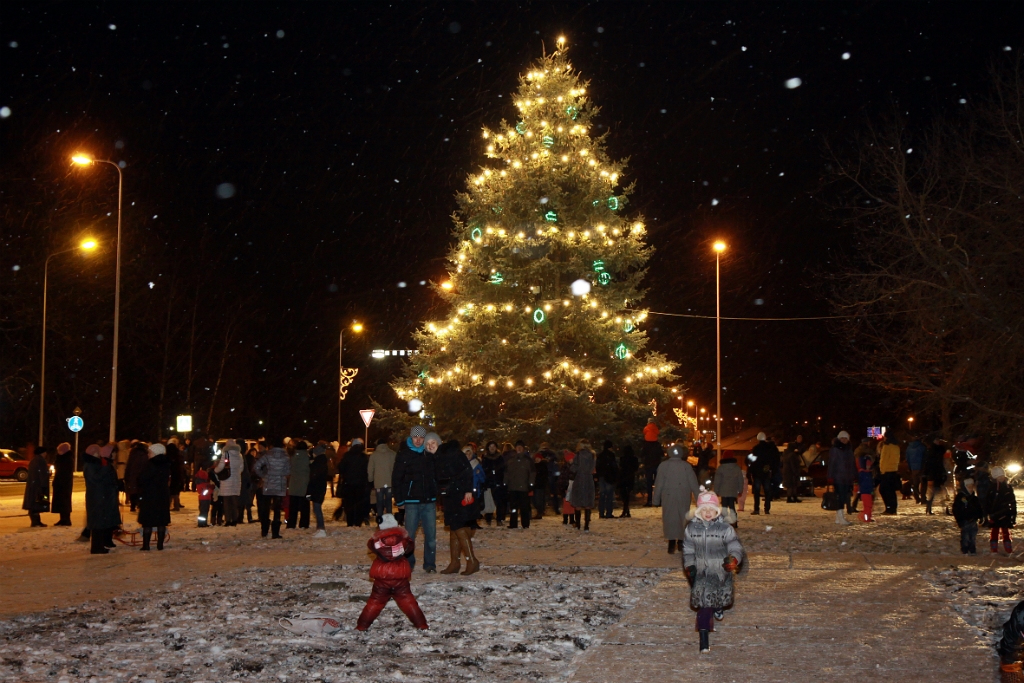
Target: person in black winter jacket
(317, 489)
(414, 480)
(1012, 642)
(154, 496)
(1001, 508)
(461, 507)
(934, 471)
(494, 469)
(651, 455)
(607, 471)
(63, 482)
(541, 481)
(762, 466)
(355, 484)
(968, 513)
(628, 466)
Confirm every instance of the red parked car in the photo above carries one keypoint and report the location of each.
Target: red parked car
(12, 466)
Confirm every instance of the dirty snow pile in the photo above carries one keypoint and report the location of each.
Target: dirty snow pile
(504, 624)
(983, 598)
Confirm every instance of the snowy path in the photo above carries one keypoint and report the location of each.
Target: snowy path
(815, 622)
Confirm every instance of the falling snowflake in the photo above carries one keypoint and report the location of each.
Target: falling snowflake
(794, 83)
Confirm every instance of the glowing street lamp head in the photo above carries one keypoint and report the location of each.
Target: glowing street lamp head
(719, 246)
(88, 245)
(357, 327)
(82, 159)
(689, 403)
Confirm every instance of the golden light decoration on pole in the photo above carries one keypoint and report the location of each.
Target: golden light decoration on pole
(85, 160)
(345, 375)
(86, 245)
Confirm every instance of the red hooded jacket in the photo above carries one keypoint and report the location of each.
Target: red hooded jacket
(391, 548)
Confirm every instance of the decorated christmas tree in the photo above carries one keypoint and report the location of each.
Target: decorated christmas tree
(544, 337)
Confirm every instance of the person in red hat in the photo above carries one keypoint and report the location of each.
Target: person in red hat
(391, 571)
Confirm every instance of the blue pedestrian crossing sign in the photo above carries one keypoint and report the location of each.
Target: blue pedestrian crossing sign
(75, 423)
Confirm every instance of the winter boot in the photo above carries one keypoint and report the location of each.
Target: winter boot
(565, 520)
(705, 645)
(466, 541)
(147, 532)
(1007, 546)
(840, 518)
(161, 536)
(671, 547)
(576, 519)
(455, 564)
(994, 545)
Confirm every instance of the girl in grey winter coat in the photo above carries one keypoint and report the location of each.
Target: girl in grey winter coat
(712, 553)
(583, 492)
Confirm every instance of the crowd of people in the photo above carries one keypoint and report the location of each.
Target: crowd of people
(288, 480)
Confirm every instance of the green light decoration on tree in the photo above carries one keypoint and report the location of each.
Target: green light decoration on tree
(572, 111)
(604, 278)
(597, 202)
(628, 326)
(598, 265)
(621, 351)
(613, 203)
(547, 140)
(538, 316)
(477, 234)
(496, 209)
(521, 128)
(551, 217)
(497, 279)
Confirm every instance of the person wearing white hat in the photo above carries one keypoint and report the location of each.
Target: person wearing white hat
(1001, 505)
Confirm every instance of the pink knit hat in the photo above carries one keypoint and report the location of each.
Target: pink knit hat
(709, 499)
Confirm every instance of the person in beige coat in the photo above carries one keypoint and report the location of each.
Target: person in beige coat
(675, 488)
(379, 469)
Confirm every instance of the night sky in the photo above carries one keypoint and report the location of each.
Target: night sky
(292, 167)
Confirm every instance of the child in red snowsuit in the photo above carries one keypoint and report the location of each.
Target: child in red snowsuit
(391, 546)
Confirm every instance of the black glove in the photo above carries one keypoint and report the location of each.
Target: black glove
(691, 573)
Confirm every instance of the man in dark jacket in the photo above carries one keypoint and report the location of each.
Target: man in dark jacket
(628, 466)
(934, 471)
(792, 464)
(37, 486)
(607, 471)
(355, 484)
(414, 480)
(915, 461)
(102, 514)
(520, 476)
(494, 469)
(541, 480)
(842, 472)
(762, 466)
(651, 454)
(63, 483)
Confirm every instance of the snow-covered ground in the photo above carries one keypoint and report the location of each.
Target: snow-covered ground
(507, 624)
(983, 598)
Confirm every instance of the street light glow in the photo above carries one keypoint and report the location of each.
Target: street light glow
(82, 159)
(88, 244)
(719, 246)
(357, 327)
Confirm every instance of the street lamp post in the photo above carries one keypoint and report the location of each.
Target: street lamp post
(345, 376)
(87, 245)
(719, 248)
(85, 160)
